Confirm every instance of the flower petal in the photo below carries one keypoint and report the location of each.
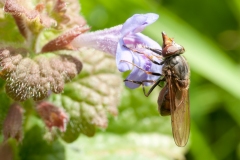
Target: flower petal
(104, 40)
(146, 41)
(139, 74)
(138, 22)
(123, 54)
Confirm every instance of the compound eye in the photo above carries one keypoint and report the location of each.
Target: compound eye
(172, 49)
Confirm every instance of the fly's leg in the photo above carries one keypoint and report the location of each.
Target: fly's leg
(147, 72)
(141, 83)
(159, 52)
(149, 57)
(156, 83)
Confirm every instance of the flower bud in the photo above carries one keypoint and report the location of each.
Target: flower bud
(52, 116)
(12, 125)
(6, 151)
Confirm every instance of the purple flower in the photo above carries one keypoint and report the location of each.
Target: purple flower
(122, 41)
(131, 38)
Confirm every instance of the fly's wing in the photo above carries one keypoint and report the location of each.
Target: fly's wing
(180, 114)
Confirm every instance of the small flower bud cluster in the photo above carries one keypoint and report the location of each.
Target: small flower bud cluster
(34, 78)
(28, 73)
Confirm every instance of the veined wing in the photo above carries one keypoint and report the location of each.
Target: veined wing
(180, 113)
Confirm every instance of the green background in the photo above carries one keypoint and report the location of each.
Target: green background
(209, 31)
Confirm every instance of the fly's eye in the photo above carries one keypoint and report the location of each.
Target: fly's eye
(172, 50)
(170, 47)
(177, 48)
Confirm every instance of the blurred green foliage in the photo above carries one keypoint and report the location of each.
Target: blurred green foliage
(210, 33)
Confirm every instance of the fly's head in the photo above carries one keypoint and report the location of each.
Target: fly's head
(170, 47)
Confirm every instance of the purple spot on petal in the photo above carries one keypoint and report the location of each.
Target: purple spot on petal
(147, 65)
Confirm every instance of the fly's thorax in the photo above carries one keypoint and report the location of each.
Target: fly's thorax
(177, 67)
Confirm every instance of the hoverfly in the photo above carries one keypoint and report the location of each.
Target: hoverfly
(174, 97)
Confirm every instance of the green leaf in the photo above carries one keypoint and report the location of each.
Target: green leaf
(140, 114)
(92, 95)
(5, 103)
(129, 146)
(7, 22)
(201, 148)
(34, 147)
(71, 134)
